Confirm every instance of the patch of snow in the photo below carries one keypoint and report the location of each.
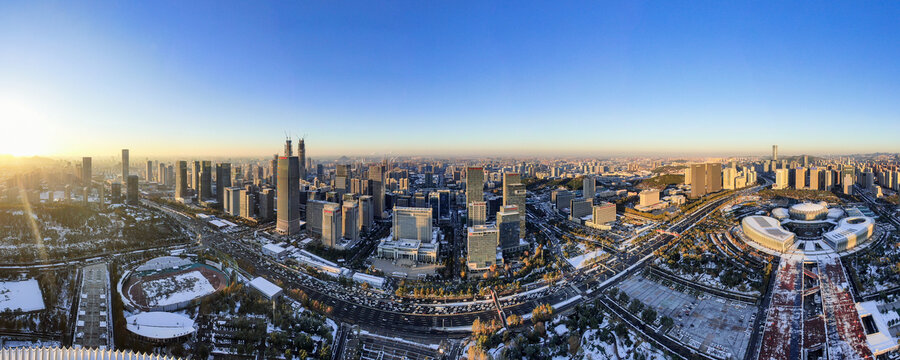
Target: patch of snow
(21, 295)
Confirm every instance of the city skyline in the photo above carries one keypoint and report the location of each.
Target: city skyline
(429, 79)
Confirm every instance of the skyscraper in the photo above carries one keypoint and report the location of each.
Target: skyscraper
(474, 184)
(342, 178)
(223, 180)
(125, 164)
(376, 174)
(477, 213)
(115, 193)
(774, 153)
(509, 179)
(180, 180)
(132, 192)
(781, 179)
(412, 223)
(589, 187)
(517, 194)
(86, 174)
(366, 213)
(301, 156)
(205, 187)
(288, 193)
(149, 171)
(195, 178)
(248, 204)
(266, 204)
(508, 226)
(231, 201)
(705, 179)
(350, 210)
(482, 247)
(331, 225)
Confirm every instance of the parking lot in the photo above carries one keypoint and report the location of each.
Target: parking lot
(711, 324)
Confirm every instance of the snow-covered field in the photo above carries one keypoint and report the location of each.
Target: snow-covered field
(23, 295)
(585, 259)
(176, 289)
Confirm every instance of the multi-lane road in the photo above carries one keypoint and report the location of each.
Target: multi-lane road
(349, 309)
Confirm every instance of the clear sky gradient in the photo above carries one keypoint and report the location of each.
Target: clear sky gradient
(456, 78)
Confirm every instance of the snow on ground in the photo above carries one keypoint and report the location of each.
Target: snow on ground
(177, 289)
(25, 295)
(585, 259)
(560, 329)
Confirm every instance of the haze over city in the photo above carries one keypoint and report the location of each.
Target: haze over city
(451, 79)
(471, 180)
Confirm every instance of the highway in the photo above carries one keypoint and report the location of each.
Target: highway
(350, 308)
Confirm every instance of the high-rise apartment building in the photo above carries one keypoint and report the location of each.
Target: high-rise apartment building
(799, 178)
(782, 178)
(149, 171)
(728, 175)
(705, 179)
(814, 179)
(847, 184)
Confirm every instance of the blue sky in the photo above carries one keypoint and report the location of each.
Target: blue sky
(459, 78)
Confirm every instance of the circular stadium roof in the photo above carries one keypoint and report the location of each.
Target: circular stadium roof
(160, 325)
(808, 211)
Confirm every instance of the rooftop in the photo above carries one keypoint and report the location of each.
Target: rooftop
(160, 325)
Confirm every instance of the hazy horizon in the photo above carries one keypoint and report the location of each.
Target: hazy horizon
(463, 79)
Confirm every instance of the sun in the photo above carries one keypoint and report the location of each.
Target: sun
(23, 130)
(21, 146)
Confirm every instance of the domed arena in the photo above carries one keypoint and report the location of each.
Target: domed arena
(809, 211)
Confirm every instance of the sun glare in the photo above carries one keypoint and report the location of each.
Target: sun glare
(25, 131)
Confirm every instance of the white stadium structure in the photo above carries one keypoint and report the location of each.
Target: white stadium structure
(850, 232)
(767, 232)
(809, 211)
(843, 234)
(160, 327)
